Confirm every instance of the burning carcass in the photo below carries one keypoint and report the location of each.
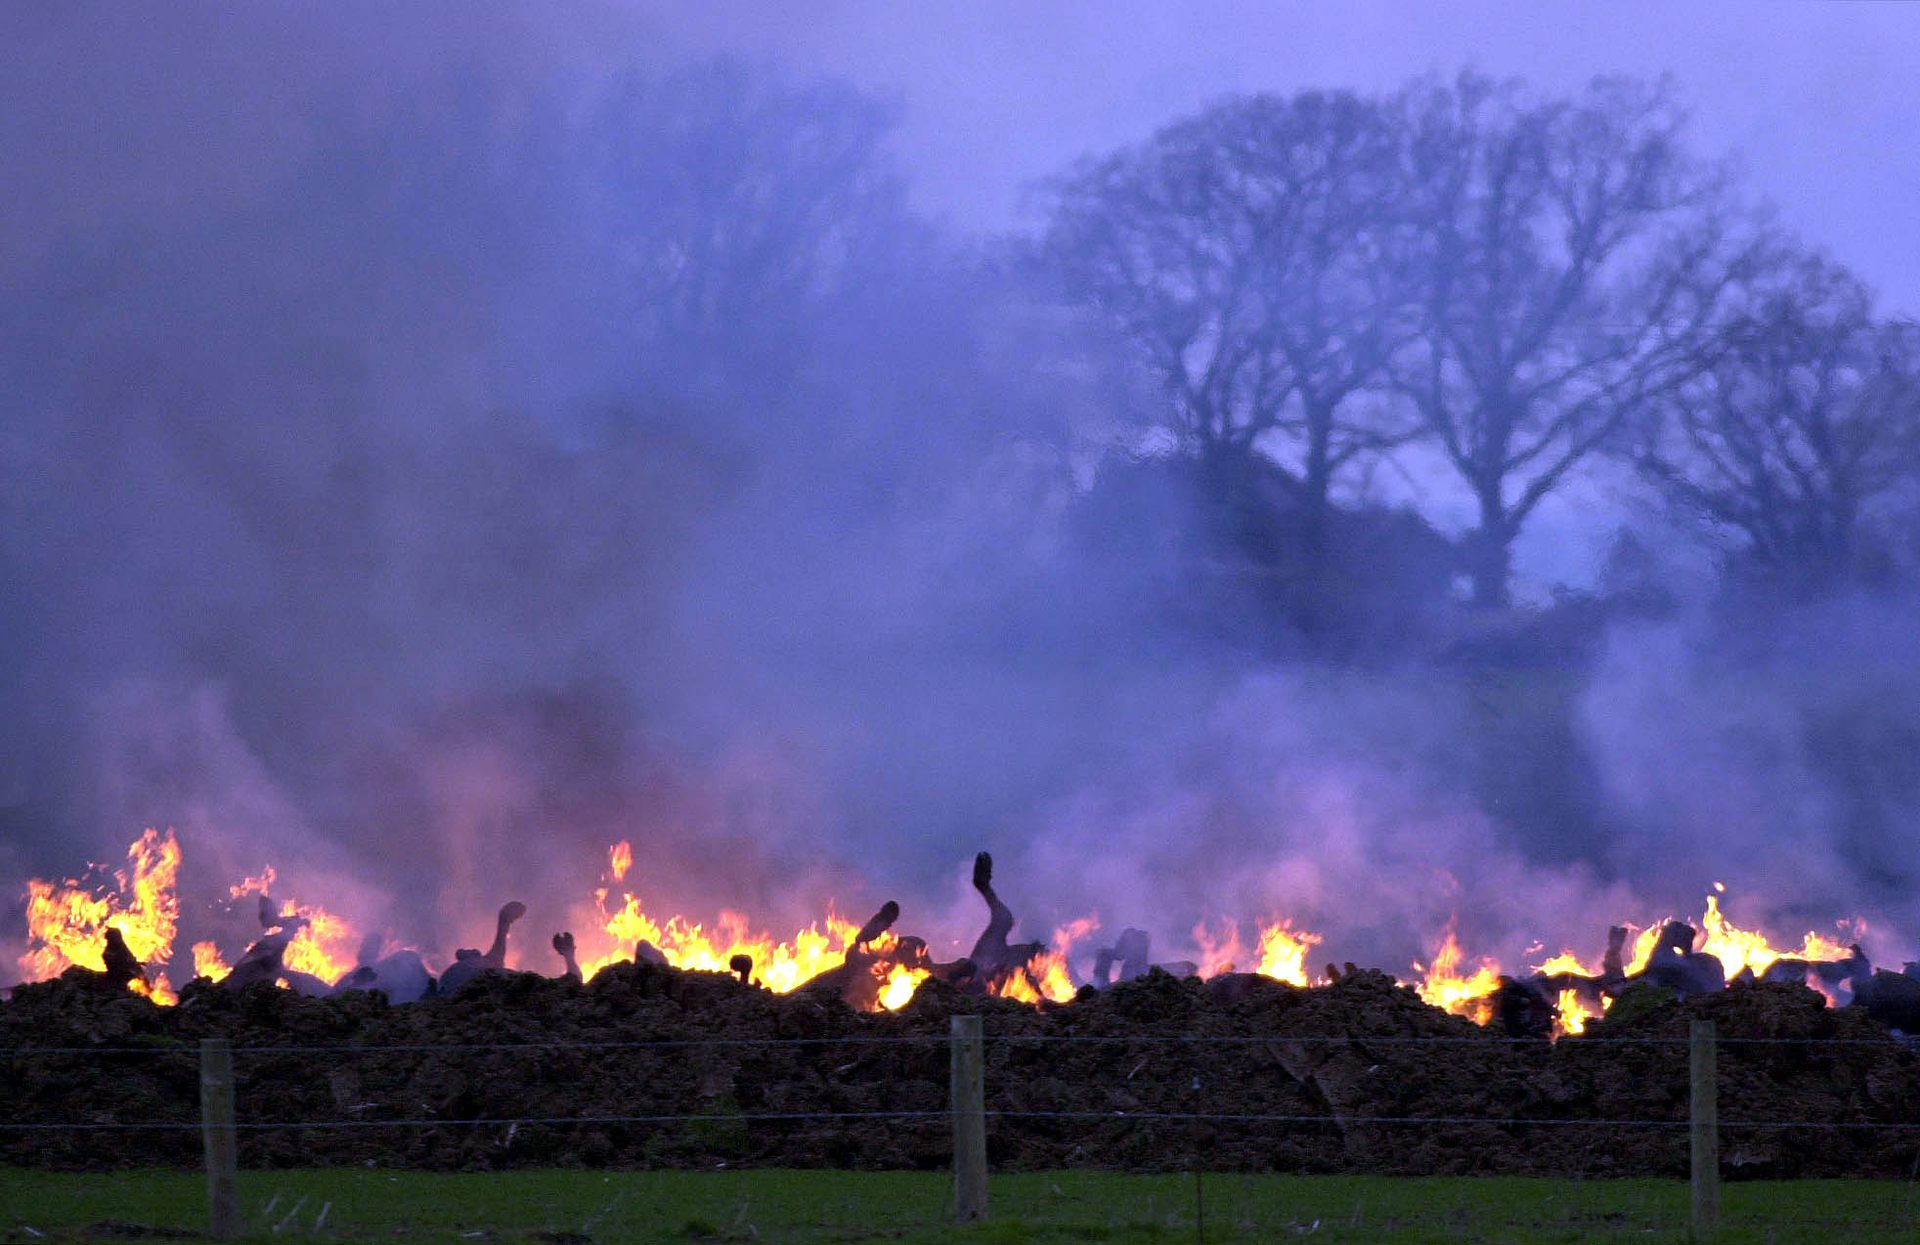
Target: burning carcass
(1131, 956)
(875, 963)
(400, 975)
(470, 962)
(265, 960)
(125, 935)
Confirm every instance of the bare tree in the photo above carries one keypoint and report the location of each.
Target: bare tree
(738, 197)
(1806, 412)
(1570, 259)
(1243, 254)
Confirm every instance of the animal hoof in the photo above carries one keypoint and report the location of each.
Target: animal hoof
(878, 924)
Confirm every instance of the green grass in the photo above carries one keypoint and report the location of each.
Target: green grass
(575, 1207)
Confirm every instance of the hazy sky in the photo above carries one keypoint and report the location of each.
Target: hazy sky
(1818, 99)
(1815, 101)
(293, 562)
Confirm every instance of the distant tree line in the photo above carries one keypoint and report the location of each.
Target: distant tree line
(1508, 287)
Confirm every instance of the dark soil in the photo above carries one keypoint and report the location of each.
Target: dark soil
(1329, 1070)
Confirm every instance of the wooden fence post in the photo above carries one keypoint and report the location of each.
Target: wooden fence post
(969, 1121)
(1705, 1128)
(216, 1130)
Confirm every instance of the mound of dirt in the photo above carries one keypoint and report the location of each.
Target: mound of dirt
(696, 1069)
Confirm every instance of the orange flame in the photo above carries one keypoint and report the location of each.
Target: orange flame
(207, 961)
(1444, 987)
(1573, 1013)
(67, 924)
(1055, 978)
(1573, 1017)
(1738, 948)
(1051, 979)
(900, 985)
(262, 885)
(1643, 944)
(780, 965)
(1017, 986)
(1048, 975)
(325, 947)
(1566, 962)
(1283, 952)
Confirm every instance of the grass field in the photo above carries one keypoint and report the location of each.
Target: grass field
(576, 1207)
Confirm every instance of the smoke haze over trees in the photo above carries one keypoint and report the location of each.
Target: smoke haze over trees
(502, 450)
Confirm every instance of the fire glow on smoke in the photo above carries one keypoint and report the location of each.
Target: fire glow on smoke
(67, 925)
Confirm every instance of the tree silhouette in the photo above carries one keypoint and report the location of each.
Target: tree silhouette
(1246, 255)
(1570, 259)
(1805, 413)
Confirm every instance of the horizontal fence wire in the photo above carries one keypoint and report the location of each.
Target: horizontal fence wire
(432, 1047)
(1106, 1116)
(1570, 1042)
(938, 1040)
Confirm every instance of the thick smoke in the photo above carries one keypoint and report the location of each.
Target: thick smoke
(428, 460)
(512, 458)
(1773, 748)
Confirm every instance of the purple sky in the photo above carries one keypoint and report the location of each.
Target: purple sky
(1818, 100)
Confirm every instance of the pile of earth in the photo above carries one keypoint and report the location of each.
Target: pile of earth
(678, 1069)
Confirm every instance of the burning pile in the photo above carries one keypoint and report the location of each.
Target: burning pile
(125, 928)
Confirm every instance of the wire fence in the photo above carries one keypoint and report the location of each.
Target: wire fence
(941, 1040)
(1020, 1062)
(934, 1040)
(750, 1117)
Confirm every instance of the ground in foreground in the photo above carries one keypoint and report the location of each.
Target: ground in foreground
(584, 1208)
